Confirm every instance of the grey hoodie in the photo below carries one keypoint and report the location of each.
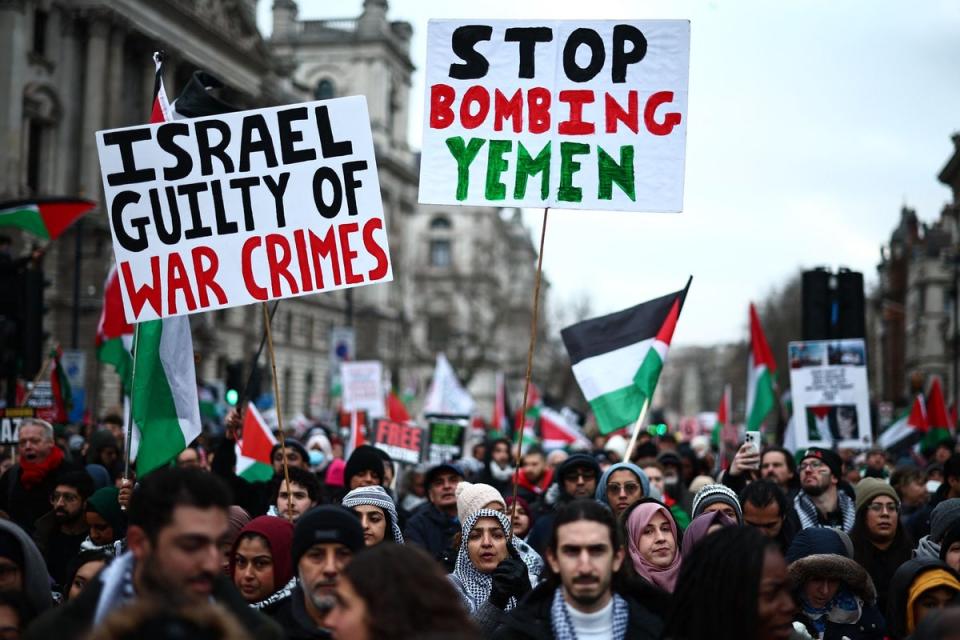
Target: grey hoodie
(927, 548)
(36, 580)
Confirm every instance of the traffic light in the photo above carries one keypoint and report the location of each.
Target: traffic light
(833, 304)
(32, 335)
(234, 383)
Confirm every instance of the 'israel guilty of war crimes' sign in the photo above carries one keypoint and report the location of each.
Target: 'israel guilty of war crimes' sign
(227, 210)
(576, 115)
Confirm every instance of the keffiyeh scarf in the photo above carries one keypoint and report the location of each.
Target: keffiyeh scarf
(376, 497)
(476, 585)
(562, 625)
(844, 608)
(810, 517)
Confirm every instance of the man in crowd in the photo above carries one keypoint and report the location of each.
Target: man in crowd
(819, 503)
(364, 468)
(497, 470)
(585, 591)
(576, 478)
(948, 490)
(433, 526)
(534, 477)
(25, 487)
(63, 529)
(324, 541)
(766, 509)
(775, 463)
(177, 519)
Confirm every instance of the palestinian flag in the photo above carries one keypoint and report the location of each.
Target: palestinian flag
(500, 422)
(60, 385)
(254, 449)
(908, 430)
(760, 375)
(357, 436)
(529, 417)
(396, 410)
(617, 358)
(45, 218)
(114, 333)
(938, 420)
(723, 418)
(557, 432)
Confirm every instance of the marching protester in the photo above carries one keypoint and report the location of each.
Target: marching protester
(434, 525)
(22, 570)
(575, 478)
(717, 497)
(654, 471)
(765, 507)
(106, 521)
(919, 588)
(60, 532)
(523, 518)
(819, 502)
(701, 527)
(653, 544)
(621, 485)
(296, 498)
(364, 468)
(377, 513)
(948, 490)
(950, 547)
(942, 517)
(534, 477)
(82, 569)
(238, 518)
(259, 562)
(497, 470)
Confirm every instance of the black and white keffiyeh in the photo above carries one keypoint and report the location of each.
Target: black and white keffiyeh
(810, 517)
(562, 625)
(377, 497)
(475, 586)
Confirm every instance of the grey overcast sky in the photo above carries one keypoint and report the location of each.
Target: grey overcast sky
(810, 125)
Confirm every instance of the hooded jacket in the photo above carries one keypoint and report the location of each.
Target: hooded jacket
(36, 582)
(869, 625)
(279, 536)
(900, 591)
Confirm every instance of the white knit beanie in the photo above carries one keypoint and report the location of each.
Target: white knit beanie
(473, 497)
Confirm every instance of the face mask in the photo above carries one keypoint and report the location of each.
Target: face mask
(670, 480)
(316, 458)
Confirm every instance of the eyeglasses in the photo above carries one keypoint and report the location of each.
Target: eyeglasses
(68, 498)
(582, 474)
(878, 507)
(813, 465)
(630, 487)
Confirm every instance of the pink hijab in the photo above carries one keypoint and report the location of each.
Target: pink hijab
(640, 517)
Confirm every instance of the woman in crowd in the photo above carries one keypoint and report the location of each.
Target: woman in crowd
(734, 566)
(523, 518)
(837, 598)
(107, 522)
(81, 570)
(238, 518)
(701, 527)
(717, 497)
(919, 587)
(653, 544)
(880, 542)
(378, 514)
(950, 547)
(365, 610)
(260, 562)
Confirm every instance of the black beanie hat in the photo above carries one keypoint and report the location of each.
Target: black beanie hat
(326, 523)
(296, 445)
(574, 461)
(363, 458)
(952, 535)
(827, 457)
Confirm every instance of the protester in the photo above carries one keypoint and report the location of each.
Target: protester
(950, 547)
(297, 455)
(717, 497)
(414, 490)
(939, 625)
(555, 458)
(293, 500)
(949, 489)
(880, 542)
(177, 518)
(389, 471)
(733, 586)
(15, 614)
(918, 588)
(523, 518)
(193, 456)
(430, 608)
(325, 540)
(655, 474)
(260, 565)
(22, 569)
(364, 468)
(82, 569)
(576, 478)
(836, 595)
(701, 527)
(497, 470)
(434, 526)
(621, 485)
(942, 517)
(107, 522)
(765, 507)
(911, 487)
(25, 487)
(534, 477)
(489, 574)
(60, 532)
(377, 513)
(103, 449)
(819, 503)
(653, 544)
(875, 464)
(238, 518)
(252, 497)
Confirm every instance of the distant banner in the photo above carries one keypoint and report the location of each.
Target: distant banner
(244, 207)
(402, 440)
(363, 387)
(446, 436)
(566, 114)
(831, 400)
(10, 419)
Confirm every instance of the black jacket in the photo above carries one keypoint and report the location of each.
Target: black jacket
(531, 618)
(870, 626)
(26, 506)
(253, 497)
(433, 530)
(900, 590)
(291, 615)
(74, 619)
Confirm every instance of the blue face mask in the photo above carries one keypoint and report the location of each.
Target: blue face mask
(316, 458)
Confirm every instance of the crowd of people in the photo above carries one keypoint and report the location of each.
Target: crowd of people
(567, 544)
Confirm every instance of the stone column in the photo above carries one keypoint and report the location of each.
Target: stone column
(94, 94)
(117, 115)
(68, 85)
(13, 44)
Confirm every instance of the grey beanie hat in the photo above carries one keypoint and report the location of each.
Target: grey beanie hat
(942, 516)
(713, 493)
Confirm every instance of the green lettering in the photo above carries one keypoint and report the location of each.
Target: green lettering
(496, 165)
(464, 155)
(610, 172)
(568, 167)
(527, 166)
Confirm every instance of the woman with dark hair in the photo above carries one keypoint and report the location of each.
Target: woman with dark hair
(734, 566)
(377, 513)
(81, 570)
(701, 527)
(653, 544)
(880, 541)
(365, 609)
(918, 589)
(260, 562)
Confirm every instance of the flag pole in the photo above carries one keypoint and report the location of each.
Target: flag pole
(276, 404)
(128, 434)
(636, 429)
(533, 343)
(242, 400)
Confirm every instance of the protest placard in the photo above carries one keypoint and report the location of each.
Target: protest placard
(363, 387)
(831, 401)
(245, 207)
(402, 440)
(566, 114)
(10, 419)
(445, 438)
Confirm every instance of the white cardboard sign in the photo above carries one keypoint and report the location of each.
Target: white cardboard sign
(363, 387)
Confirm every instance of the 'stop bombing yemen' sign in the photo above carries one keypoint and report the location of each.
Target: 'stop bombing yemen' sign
(576, 115)
(244, 207)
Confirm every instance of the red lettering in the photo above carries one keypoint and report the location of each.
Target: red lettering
(475, 95)
(615, 113)
(383, 431)
(146, 293)
(538, 108)
(504, 109)
(306, 283)
(670, 120)
(246, 268)
(205, 276)
(375, 250)
(575, 125)
(346, 254)
(279, 266)
(326, 247)
(441, 97)
(177, 280)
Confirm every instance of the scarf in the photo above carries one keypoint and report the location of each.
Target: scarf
(33, 473)
(376, 496)
(530, 558)
(477, 585)
(117, 580)
(281, 594)
(699, 529)
(640, 517)
(843, 608)
(501, 474)
(563, 627)
(810, 516)
(112, 549)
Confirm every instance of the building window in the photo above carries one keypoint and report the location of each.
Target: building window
(35, 139)
(438, 333)
(440, 223)
(440, 253)
(39, 32)
(325, 90)
(308, 392)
